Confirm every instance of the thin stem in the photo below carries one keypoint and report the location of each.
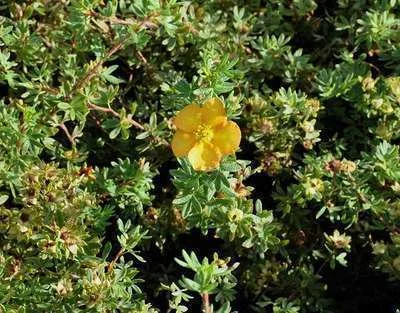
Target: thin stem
(321, 267)
(67, 133)
(128, 22)
(93, 72)
(141, 56)
(115, 113)
(206, 303)
(103, 109)
(112, 263)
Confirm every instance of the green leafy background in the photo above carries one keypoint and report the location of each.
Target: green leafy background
(97, 215)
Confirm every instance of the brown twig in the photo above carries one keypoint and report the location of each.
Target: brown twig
(67, 133)
(115, 113)
(92, 72)
(375, 68)
(128, 22)
(206, 303)
(112, 263)
(103, 109)
(141, 57)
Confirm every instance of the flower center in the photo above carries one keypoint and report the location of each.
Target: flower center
(204, 133)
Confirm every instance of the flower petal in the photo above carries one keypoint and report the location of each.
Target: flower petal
(189, 118)
(218, 121)
(182, 143)
(212, 108)
(227, 137)
(204, 156)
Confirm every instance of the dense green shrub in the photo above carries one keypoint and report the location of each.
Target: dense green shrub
(96, 213)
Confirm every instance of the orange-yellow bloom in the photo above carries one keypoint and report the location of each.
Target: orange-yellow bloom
(204, 134)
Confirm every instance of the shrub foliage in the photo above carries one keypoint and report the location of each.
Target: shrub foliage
(97, 215)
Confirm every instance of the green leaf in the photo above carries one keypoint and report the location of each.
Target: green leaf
(106, 74)
(3, 199)
(106, 250)
(320, 212)
(114, 133)
(191, 284)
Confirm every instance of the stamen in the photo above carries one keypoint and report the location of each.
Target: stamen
(204, 133)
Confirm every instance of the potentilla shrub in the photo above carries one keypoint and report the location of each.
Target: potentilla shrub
(186, 156)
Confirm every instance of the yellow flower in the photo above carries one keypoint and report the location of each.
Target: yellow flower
(204, 134)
